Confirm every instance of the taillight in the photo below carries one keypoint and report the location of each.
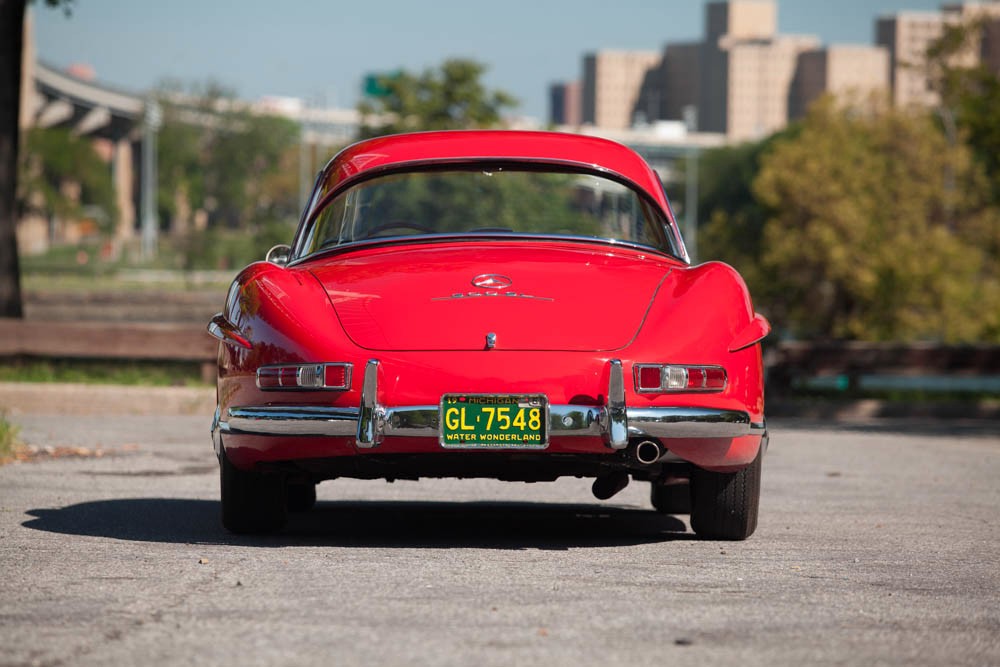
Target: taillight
(669, 378)
(326, 376)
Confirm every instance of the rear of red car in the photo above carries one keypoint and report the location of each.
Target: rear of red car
(490, 304)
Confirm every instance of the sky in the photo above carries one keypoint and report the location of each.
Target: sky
(320, 50)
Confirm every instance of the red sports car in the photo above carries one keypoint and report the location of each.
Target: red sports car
(510, 305)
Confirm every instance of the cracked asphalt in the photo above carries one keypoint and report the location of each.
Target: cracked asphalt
(877, 545)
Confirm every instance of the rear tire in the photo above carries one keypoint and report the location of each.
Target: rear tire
(671, 498)
(301, 496)
(724, 505)
(252, 502)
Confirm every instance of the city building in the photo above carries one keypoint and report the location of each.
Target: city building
(985, 48)
(747, 69)
(853, 72)
(672, 88)
(565, 103)
(612, 83)
(908, 35)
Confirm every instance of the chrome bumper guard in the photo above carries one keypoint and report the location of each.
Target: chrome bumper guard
(371, 422)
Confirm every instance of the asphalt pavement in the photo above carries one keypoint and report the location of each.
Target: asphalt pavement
(877, 545)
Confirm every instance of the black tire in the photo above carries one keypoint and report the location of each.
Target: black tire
(301, 496)
(671, 498)
(251, 502)
(724, 505)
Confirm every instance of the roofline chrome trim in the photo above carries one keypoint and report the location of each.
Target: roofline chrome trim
(421, 421)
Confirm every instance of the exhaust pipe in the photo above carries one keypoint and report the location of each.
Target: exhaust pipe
(608, 485)
(648, 452)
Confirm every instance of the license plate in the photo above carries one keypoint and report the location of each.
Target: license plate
(494, 421)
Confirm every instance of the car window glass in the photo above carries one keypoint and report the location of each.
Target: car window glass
(495, 200)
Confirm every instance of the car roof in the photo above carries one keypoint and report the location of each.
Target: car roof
(575, 150)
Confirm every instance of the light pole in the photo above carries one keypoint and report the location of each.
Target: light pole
(151, 123)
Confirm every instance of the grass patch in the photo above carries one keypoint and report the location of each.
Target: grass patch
(157, 374)
(8, 438)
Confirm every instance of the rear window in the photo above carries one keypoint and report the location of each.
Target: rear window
(498, 200)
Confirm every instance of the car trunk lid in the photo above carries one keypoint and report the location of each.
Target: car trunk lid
(542, 296)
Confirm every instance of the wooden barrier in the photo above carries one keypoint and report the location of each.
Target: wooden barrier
(134, 341)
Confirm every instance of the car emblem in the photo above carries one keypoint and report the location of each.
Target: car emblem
(492, 281)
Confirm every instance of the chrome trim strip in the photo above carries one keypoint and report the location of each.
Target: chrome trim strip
(617, 429)
(690, 423)
(422, 421)
(292, 420)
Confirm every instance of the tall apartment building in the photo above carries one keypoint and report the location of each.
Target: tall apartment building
(612, 83)
(565, 103)
(907, 36)
(985, 48)
(746, 81)
(847, 71)
(747, 69)
(673, 86)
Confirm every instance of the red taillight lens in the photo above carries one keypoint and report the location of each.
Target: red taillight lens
(715, 378)
(268, 378)
(337, 376)
(288, 376)
(649, 378)
(673, 378)
(330, 376)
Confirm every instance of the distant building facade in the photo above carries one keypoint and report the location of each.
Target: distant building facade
(849, 71)
(612, 83)
(745, 81)
(908, 35)
(749, 69)
(565, 103)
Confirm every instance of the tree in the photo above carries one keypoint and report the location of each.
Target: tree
(969, 93)
(53, 158)
(733, 231)
(877, 230)
(450, 98)
(235, 166)
(11, 46)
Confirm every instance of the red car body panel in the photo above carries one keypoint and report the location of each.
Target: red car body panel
(421, 298)
(370, 157)
(573, 309)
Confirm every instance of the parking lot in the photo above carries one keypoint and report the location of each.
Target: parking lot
(877, 545)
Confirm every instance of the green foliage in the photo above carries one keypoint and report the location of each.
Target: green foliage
(461, 201)
(235, 168)
(970, 94)
(54, 164)
(159, 374)
(449, 98)
(877, 230)
(229, 249)
(8, 437)
(734, 231)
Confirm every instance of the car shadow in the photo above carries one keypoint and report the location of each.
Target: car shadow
(483, 525)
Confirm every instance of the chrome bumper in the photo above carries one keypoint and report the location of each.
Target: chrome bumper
(370, 423)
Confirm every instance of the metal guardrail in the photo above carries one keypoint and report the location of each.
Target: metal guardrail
(789, 363)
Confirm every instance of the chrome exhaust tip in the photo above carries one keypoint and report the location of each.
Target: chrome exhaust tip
(648, 452)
